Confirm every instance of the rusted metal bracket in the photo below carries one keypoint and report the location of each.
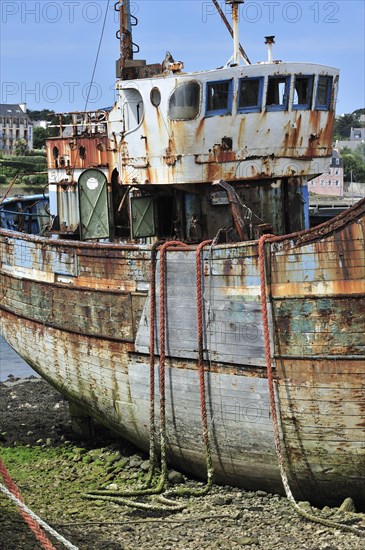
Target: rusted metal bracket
(235, 208)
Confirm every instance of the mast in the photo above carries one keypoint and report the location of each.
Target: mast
(238, 50)
(124, 34)
(236, 40)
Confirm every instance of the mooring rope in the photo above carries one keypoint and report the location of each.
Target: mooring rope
(152, 450)
(187, 491)
(275, 422)
(34, 522)
(203, 403)
(118, 496)
(163, 250)
(164, 502)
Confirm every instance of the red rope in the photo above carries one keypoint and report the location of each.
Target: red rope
(152, 358)
(33, 525)
(203, 404)
(274, 416)
(270, 378)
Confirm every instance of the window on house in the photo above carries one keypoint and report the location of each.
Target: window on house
(303, 90)
(322, 183)
(312, 183)
(250, 95)
(337, 162)
(324, 89)
(329, 183)
(219, 97)
(337, 183)
(184, 102)
(277, 93)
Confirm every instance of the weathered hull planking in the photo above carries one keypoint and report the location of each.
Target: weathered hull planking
(78, 313)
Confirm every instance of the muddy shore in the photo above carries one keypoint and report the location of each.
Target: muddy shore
(54, 470)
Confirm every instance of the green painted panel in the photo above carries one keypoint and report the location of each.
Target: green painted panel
(93, 204)
(143, 217)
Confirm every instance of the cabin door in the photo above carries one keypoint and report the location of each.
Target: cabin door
(93, 205)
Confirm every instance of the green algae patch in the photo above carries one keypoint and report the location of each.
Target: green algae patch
(25, 455)
(54, 480)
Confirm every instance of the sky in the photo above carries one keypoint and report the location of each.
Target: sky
(48, 48)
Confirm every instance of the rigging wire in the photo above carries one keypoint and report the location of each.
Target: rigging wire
(97, 56)
(72, 168)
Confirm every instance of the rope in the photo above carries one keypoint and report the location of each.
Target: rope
(95, 495)
(201, 370)
(203, 406)
(97, 55)
(152, 453)
(118, 496)
(34, 522)
(163, 354)
(278, 449)
(164, 502)
(92, 78)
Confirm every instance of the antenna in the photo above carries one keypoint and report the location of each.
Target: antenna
(233, 32)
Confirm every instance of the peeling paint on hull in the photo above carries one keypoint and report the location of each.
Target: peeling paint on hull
(77, 312)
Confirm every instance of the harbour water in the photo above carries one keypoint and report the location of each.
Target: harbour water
(11, 363)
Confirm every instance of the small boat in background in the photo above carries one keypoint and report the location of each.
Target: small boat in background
(26, 213)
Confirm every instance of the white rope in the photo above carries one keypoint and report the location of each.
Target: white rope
(46, 527)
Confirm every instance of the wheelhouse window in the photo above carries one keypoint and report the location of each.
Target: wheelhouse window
(277, 93)
(250, 95)
(219, 97)
(184, 102)
(303, 92)
(324, 89)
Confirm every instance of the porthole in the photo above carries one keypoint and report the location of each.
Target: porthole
(155, 97)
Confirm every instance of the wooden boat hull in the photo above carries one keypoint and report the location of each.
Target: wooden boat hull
(78, 313)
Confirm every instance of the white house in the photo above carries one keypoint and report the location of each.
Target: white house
(14, 126)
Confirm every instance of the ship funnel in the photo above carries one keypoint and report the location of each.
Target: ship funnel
(269, 40)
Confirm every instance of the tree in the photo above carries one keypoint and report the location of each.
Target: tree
(44, 114)
(21, 147)
(39, 137)
(358, 113)
(343, 125)
(354, 163)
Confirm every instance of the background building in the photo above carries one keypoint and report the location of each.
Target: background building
(15, 125)
(331, 182)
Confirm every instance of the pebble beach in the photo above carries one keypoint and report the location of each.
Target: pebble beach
(54, 471)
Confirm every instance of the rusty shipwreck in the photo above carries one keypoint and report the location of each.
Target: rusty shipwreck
(209, 161)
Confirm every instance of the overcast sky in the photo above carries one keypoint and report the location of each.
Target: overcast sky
(48, 48)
